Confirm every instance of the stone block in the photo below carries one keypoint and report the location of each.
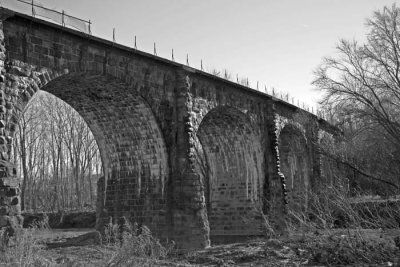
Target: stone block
(9, 181)
(4, 210)
(35, 40)
(19, 219)
(4, 221)
(11, 192)
(5, 201)
(15, 201)
(14, 210)
(7, 104)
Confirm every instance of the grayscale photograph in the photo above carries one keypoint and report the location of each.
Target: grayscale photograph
(199, 133)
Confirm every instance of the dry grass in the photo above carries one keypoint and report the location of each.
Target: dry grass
(23, 249)
(126, 245)
(133, 245)
(330, 210)
(351, 248)
(330, 231)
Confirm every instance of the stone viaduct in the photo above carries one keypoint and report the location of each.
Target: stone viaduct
(190, 155)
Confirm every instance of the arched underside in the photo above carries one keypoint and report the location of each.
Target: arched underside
(233, 172)
(295, 165)
(130, 142)
(328, 167)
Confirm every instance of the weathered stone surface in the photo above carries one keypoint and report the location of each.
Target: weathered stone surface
(185, 153)
(15, 201)
(8, 181)
(11, 192)
(5, 220)
(4, 210)
(14, 210)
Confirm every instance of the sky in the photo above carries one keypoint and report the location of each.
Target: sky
(275, 43)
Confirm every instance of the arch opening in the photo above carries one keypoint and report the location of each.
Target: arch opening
(233, 173)
(295, 166)
(131, 145)
(56, 156)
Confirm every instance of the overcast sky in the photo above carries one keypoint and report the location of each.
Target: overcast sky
(275, 42)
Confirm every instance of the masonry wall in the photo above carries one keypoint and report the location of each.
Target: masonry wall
(233, 128)
(295, 166)
(135, 109)
(304, 128)
(235, 172)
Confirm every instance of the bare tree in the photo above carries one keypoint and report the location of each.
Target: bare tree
(362, 95)
(363, 81)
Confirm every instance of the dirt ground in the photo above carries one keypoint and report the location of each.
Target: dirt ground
(288, 251)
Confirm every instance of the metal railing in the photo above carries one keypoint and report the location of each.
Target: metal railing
(36, 10)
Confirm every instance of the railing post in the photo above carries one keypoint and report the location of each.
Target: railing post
(90, 30)
(62, 19)
(33, 10)
(135, 43)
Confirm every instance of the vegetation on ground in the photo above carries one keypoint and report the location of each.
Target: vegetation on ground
(123, 245)
(331, 231)
(23, 249)
(335, 230)
(132, 244)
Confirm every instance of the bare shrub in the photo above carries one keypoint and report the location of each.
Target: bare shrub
(338, 226)
(353, 247)
(134, 245)
(332, 208)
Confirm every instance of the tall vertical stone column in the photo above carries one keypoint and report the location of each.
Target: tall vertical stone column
(190, 222)
(277, 199)
(316, 177)
(10, 206)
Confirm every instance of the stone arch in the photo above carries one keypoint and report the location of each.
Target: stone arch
(295, 164)
(232, 170)
(129, 138)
